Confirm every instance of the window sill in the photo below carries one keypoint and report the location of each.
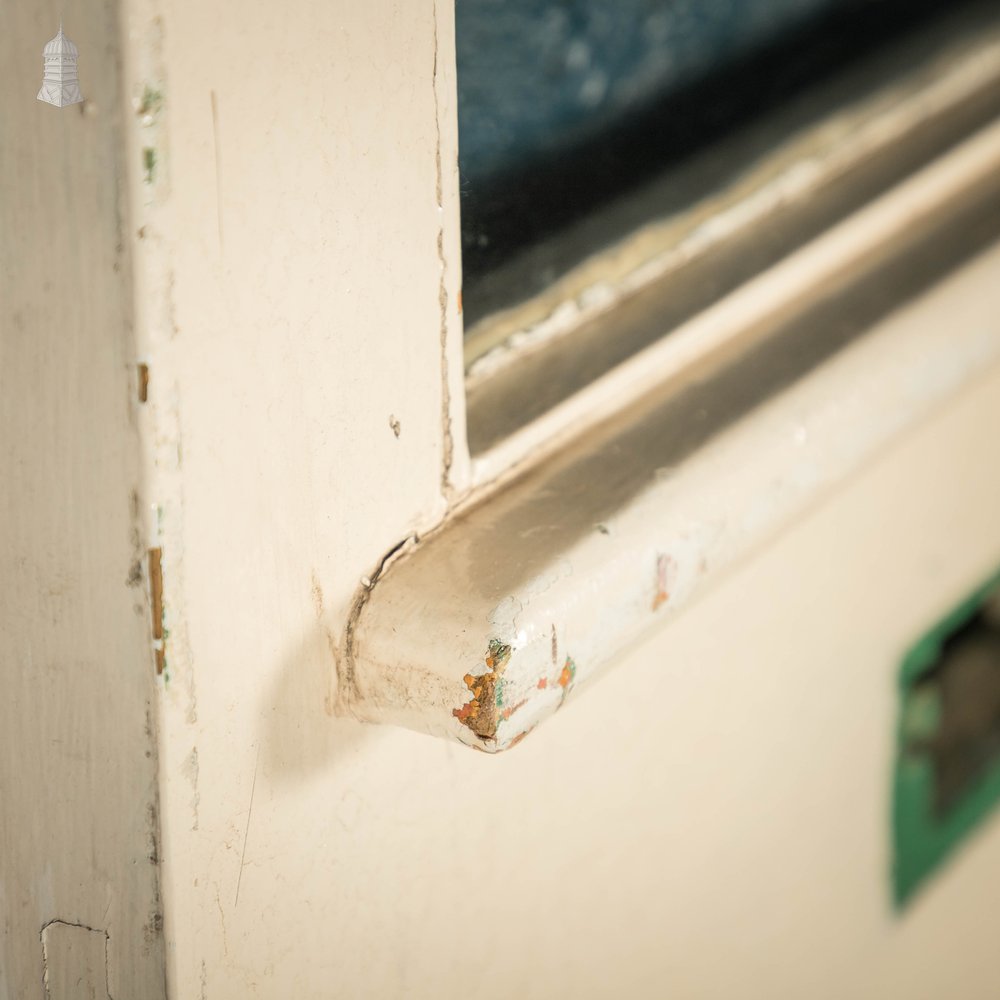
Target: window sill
(601, 331)
(487, 625)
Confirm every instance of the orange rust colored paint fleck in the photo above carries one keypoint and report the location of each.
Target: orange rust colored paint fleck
(543, 683)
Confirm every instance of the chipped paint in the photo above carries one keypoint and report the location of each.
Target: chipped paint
(492, 703)
(156, 608)
(149, 105)
(482, 713)
(564, 680)
(567, 675)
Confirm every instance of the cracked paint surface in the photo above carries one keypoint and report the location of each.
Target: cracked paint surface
(482, 713)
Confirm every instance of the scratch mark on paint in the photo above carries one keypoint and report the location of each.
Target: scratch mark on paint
(663, 564)
(317, 597)
(170, 311)
(481, 712)
(222, 921)
(246, 831)
(190, 771)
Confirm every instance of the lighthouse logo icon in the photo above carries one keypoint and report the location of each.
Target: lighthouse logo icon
(60, 85)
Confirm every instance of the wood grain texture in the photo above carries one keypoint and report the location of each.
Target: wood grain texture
(78, 822)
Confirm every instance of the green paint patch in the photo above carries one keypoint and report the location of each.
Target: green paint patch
(947, 771)
(151, 101)
(149, 163)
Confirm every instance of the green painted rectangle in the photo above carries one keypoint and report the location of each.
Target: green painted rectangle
(931, 817)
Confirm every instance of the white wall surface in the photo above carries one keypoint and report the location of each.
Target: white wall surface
(711, 819)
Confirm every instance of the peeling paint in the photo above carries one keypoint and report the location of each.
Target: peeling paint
(564, 679)
(149, 105)
(490, 690)
(156, 603)
(486, 708)
(567, 675)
